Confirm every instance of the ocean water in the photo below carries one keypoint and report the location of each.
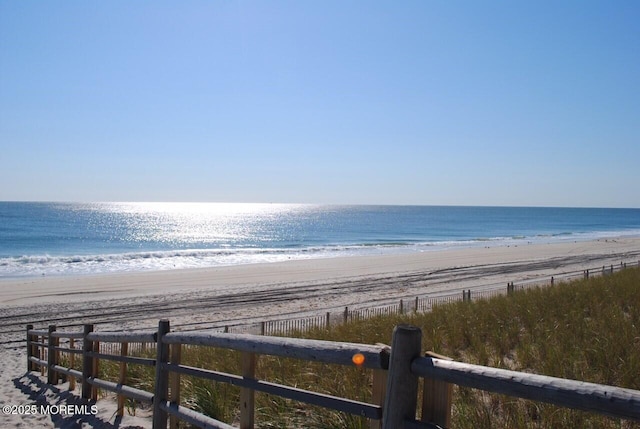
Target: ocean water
(74, 239)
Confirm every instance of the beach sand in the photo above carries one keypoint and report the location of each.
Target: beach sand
(235, 295)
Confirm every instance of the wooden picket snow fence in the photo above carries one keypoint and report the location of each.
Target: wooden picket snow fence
(288, 325)
(416, 305)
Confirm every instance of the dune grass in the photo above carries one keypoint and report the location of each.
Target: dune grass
(587, 330)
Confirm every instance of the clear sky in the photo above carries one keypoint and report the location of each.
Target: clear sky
(411, 102)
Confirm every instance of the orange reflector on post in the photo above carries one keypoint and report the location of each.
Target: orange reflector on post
(358, 359)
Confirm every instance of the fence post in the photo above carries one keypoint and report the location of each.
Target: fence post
(328, 320)
(402, 385)
(72, 361)
(247, 395)
(162, 377)
(378, 389)
(415, 310)
(43, 355)
(124, 351)
(174, 383)
(87, 362)
(30, 365)
(436, 399)
(94, 370)
(346, 314)
(52, 376)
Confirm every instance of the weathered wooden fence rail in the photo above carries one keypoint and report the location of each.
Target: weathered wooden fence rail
(396, 374)
(608, 400)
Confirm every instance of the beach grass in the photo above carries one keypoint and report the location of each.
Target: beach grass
(587, 330)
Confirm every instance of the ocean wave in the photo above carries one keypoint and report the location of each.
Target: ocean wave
(38, 265)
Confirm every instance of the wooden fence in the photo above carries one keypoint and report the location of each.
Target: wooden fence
(424, 304)
(396, 374)
(45, 347)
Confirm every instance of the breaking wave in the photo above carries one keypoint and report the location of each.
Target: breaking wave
(54, 265)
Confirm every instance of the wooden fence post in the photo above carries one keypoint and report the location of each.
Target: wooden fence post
(30, 365)
(72, 362)
(124, 351)
(162, 377)
(436, 399)
(402, 385)
(247, 395)
(95, 363)
(346, 314)
(378, 388)
(52, 376)
(87, 362)
(174, 383)
(328, 320)
(42, 354)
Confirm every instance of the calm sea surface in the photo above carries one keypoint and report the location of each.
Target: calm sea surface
(68, 239)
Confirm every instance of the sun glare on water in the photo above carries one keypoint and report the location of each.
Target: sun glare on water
(192, 225)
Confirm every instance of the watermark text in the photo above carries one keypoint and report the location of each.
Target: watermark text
(63, 410)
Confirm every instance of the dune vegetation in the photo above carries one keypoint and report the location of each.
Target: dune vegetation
(586, 330)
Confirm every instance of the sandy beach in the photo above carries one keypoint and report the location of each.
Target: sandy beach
(251, 293)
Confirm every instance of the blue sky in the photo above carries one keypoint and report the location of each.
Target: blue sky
(414, 102)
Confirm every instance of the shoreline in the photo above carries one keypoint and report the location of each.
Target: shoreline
(65, 289)
(87, 263)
